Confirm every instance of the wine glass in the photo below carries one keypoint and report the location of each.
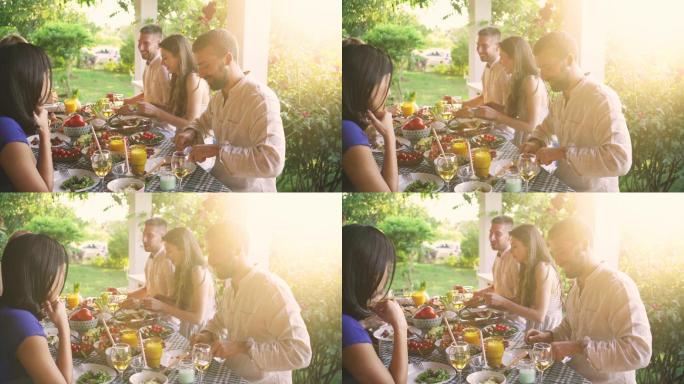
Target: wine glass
(446, 166)
(459, 353)
(121, 357)
(201, 356)
(223, 340)
(102, 163)
(180, 166)
(542, 357)
(528, 168)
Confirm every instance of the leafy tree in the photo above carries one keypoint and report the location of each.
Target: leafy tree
(459, 52)
(397, 40)
(372, 208)
(64, 229)
(117, 246)
(407, 233)
(63, 43)
(470, 244)
(541, 209)
(360, 16)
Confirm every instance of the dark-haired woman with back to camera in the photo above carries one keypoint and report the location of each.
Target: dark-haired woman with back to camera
(34, 269)
(366, 79)
(368, 262)
(26, 78)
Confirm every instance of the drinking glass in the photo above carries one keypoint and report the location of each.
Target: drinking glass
(494, 350)
(102, 163)
(526, 372)
(446, 166)
(223, 340)
(541, 352)
(201, 356)
(528, 168)
(459, 353)
(180, 167)
(121, 357)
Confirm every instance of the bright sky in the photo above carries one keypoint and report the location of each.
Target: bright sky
(92, 208)
(99, 14)
(433, 16)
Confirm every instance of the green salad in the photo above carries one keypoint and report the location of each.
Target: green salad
(75, 183)
(93, 377)
(421, 186)
(432, 376)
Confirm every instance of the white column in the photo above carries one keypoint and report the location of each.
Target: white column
(145, 13)
(480, 15)
(584, 20)
(594, 211)
(490, 206)
(139, 209)
(250, 22)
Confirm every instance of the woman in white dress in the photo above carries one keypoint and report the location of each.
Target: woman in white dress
(539, 292)
(193, 302)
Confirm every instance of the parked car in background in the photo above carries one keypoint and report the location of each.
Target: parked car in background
(443, 249)
(436, 56)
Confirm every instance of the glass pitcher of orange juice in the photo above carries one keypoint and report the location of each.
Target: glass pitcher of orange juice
(138, 159)
(471, 335)
(130, 337)
(459, 147)
(116, 144)
(482, 159)
(153, 351)
(494, 350)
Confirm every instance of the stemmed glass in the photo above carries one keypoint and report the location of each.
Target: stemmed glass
(121, 357)
(201, 356)
(446, 166)
(528, 168)
(223, 340)
(180, 166)
(102, 163)
(458, 353)
(542, 357)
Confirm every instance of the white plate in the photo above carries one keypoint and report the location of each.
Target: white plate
(173, 356)
(83, 368)
(142, 377)
(478, 377)
(378, 333)
(413, 372)
(472, 186)
(59, 178)
(406, 179)
(53, 135)
(118, 185)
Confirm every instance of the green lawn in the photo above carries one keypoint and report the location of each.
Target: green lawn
(94, 280)
(94, 84)
(440, 278)
(430, 86)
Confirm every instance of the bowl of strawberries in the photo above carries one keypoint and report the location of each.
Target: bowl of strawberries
(422, 347)
(409, 158)
(82, 349)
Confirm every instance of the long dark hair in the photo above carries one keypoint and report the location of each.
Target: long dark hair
(23, 70)
(366, 255)
(180, 48)
(363, 69)
(30, 266)
(524, 65)
(537, 252)
(183, 239)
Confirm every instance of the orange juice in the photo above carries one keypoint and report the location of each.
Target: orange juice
(459, 147)
(138, 159)
(153, 351)
(72, 300)
(482, 159)
(494, 350)
(471, 335)
(116, 144)
(130, 337)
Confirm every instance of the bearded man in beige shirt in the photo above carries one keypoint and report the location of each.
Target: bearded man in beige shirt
(605, 330)
(244, 118)
(267, 337)
(594, 143)
(495, 80)
(159, 269)
(156, 79)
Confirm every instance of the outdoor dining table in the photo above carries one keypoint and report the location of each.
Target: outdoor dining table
(558, 373)
(198, 181)
(216, 373)
(543, 182)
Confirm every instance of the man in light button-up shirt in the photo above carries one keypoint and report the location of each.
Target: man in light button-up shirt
(605, 330)
(156, 79)
(595, 147)
(267, 335)
(244, 117)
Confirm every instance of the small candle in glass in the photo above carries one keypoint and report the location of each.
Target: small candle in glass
(526, 371)
(167, 180)
(186, 371)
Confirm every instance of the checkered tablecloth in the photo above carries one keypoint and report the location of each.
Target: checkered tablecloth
(559, 373)
(199, 181)
(216, 373)
(543, 182)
